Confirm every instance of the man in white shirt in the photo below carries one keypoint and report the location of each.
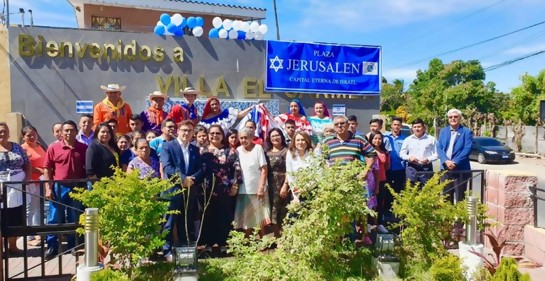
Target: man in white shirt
(419, 150)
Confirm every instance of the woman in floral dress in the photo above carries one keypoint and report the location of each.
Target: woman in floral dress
(223, 176)
(278, 187)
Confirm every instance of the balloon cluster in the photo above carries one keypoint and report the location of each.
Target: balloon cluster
(175, 24)
(236, 29)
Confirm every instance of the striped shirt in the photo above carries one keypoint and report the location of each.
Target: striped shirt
(356, 147)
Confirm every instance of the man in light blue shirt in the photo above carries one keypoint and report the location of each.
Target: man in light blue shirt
(168, 127)
(396, 174)
(419, 150)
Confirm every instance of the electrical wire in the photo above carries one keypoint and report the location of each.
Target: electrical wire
(508, 62)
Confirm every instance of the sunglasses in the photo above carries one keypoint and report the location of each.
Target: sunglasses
(454, 117)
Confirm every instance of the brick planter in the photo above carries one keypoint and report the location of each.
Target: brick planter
(510, 206)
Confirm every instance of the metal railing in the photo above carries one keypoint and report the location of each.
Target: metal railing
(462, 182)
(43, 229)
(536, 198)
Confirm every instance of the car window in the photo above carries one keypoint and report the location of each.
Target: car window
(489, 142)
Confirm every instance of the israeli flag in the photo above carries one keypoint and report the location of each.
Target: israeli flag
(84, 106)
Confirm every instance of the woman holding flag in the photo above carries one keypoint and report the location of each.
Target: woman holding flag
(226, 118)
(297, 114)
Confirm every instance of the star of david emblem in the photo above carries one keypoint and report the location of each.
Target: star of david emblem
(274, 64)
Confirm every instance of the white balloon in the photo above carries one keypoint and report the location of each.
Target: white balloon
(258, 36)
(176, 19)
(245, 26)
(160, 23)
(249, 35)
(217, 22)
(236, 25)
(254, 26)
(233, 34)
(227, 24)
(263, 28)
(197, 31)
(223, 33)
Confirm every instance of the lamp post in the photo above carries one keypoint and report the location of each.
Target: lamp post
(22, 12)
(31, 18)
(91, 246)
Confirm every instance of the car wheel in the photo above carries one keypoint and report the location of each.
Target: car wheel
(481, 159)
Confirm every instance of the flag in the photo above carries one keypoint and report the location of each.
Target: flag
(263, 119)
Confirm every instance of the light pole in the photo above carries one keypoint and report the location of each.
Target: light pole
(22, 11)
(31, 18)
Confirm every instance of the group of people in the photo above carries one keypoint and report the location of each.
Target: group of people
(225, 175)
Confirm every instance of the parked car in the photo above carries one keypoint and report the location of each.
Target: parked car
(487, 149)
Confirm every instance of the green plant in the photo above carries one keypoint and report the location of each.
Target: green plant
(130, 215)
(109, 274)
(447, 268)
(508, 270)
(426, 220)
(314, 244)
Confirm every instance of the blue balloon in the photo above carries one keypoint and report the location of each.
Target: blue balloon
(214, 33)
(179, 32)
(200, 21)
(165, 19)
(184, 23)
(191, 22)
(241, 34)
(171, 27)
(159, 30)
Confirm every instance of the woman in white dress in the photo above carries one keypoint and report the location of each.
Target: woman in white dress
(299, 154)
(252, 207)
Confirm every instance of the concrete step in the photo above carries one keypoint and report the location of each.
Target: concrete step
(534, 243)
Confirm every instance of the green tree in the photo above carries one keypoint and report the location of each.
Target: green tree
(524, 101)
(459, 84)
(392, 96)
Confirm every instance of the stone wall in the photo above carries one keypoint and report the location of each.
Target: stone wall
(510, 206)
(528, 141)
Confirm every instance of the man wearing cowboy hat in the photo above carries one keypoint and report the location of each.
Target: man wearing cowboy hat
(187, 110)
(154, 115)
(113, 107)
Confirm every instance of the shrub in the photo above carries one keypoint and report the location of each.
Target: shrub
(426, 220)
(130, 215)
(447, 268)
(313, 245)
(109, 275)
(508, 270)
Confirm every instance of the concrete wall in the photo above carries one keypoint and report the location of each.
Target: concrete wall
(528, 141)
(45, 89)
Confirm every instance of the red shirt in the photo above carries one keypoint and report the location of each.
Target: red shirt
(66, 162)
(257, 140)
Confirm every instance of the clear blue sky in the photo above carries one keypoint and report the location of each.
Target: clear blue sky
(409, 31)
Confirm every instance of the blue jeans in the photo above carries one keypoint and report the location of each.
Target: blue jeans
(61, 214)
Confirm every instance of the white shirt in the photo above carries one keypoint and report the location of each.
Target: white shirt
(421, 148)
(293, 164)
(250, 164)
(185, 154)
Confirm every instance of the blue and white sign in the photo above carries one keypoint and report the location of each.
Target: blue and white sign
(84, 106)
(323, 68)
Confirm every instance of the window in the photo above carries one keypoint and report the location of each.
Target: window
(106, 23)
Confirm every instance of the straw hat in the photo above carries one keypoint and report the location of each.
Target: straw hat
(157, 94)
(190, 91)
(113, 88)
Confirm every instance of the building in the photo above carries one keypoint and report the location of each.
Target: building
(142, 15)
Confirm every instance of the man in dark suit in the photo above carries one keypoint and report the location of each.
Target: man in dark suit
(179, 157)
(453, 147)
